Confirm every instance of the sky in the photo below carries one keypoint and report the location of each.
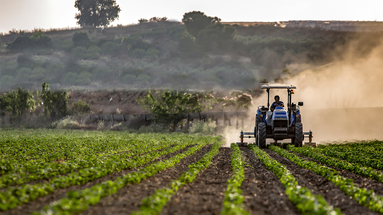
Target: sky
(46, 14)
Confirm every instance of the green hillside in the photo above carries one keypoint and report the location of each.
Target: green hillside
(166, 55)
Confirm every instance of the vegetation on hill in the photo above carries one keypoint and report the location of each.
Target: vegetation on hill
(201, 53)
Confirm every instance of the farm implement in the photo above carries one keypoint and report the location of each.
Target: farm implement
(279, 123)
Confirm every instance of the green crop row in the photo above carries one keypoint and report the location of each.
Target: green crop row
(28, 153)
(338, 163)
(354, 155)
(90, 146)
(154, 203)
(50, 170)
(77, 201)
(44, 145)
(370, 149)
(233, 201)
(17, 195)
(364, 197)
(301, 197)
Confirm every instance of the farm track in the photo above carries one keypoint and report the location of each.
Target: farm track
(321, 186)
(60, 193)
(128, 199)
(360, 181)
(205, 195)
(262, 189)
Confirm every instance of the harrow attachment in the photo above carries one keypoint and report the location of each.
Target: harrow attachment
(243, 135)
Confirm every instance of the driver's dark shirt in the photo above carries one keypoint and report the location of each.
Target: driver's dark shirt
(276, 104)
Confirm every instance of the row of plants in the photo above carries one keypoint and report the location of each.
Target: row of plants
(155, 202)
(372, 149)
(363, 196)
(339, 163)
(301, 197)
(78, 201)
(15, 196)
(50, 145)
(370, 156)
(49, 170)
(21, 152)
(32, 153)
(233, 201)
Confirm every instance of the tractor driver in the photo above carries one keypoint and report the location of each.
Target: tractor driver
(277, 103)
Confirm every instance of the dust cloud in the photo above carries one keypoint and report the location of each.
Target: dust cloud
(343, 100)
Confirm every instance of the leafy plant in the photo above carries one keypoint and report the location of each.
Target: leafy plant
(55, 103)
(80, 107)
(168, 107)
(301, 197)
(17, 102)
(233, 201)
(364, 197)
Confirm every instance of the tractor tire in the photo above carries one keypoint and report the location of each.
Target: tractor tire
(255, 136)
(298, 139)
(261, 135)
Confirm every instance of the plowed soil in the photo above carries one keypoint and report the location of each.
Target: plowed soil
(263, 192)
(128, 199)
(204, 195)
(360, 181)
(39, 203)
(321, 186)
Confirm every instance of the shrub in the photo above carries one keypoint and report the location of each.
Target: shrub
(80, 39)
(24, 60)
(110, 48)
(79, 52)
(138, 53)
(80, 107)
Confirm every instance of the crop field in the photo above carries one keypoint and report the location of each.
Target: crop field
(94, 172)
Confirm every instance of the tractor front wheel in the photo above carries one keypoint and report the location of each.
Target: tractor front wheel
(261, 135)
(298, 139)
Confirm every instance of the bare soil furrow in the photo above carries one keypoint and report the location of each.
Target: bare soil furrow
(360, 181)
(204, 195)
(321, 186)
(39, 203)
(128, 199)
(264, 193)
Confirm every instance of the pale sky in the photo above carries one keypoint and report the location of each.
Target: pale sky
(46, 14)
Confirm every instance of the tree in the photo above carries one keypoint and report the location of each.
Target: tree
(168, 106)
(209, 32)
(140, 21)
(96, 12)
(196, 21)
(16, 102)
(55, 103)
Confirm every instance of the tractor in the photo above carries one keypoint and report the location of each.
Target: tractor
(280, 123)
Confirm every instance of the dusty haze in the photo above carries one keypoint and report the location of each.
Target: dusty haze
(342, 100)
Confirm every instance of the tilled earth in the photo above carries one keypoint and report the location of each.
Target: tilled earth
(263, 192)
(39, 203)
(360, 181)
(204, 195)
(128, 199)
(321, 186)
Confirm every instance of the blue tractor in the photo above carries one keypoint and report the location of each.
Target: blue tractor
(280, 123)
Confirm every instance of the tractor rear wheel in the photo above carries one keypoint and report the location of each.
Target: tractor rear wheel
(255, 136)
(298, 139)
(261, 135)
